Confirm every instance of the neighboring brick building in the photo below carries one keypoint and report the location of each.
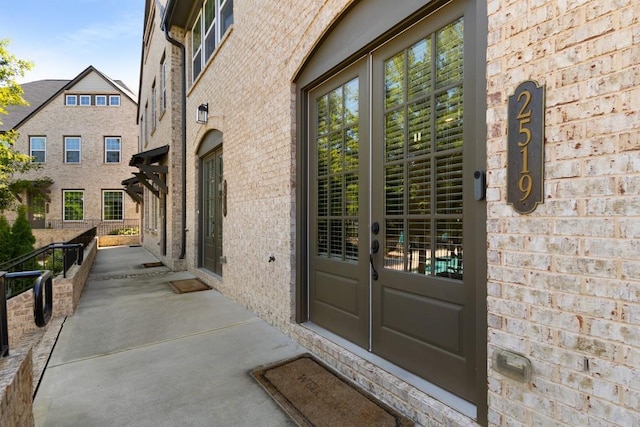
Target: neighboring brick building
(81, 132)
(348, 214)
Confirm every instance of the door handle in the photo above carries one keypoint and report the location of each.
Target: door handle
(375, 246)
(375, 227)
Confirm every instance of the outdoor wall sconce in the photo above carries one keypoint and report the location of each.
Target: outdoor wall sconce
(202, 113)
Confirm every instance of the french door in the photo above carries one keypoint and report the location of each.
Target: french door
(391, 204)
(212, 211)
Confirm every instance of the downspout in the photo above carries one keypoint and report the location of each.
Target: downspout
(184, 136)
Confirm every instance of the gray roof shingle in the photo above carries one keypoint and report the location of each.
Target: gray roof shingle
(35, 93)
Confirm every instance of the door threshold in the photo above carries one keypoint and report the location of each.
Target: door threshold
(453, 401)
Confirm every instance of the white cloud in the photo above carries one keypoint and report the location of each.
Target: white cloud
(114, 48)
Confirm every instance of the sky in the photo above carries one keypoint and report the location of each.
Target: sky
(63, 37)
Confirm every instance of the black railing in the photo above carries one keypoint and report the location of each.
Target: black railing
(127, 226)
(57, 257)
(85, 238)
(4, 327)
(42, 301)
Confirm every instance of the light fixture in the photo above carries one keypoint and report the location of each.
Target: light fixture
(202, 113)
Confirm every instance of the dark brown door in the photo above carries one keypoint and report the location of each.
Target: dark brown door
(339, 204)
(423, 315)
(212, 211)
(391, 210)
(37, 210)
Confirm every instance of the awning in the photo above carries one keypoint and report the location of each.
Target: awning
(149, 157)
(134, 189)
(149, 175)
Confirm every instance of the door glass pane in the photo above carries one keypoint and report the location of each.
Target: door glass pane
(394, 134)
(449, 119)
(419, 68)
(449, 184)
(394, 80)
(219, 205)
(210, 202)
(449, 53)
(337, 164)
(419, 187)
(423, 156)
(419, 127)
(394, 189)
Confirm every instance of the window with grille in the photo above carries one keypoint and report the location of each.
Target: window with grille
(112, 205)
(423, 155)
(73, 205)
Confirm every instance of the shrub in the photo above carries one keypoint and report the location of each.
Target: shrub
(22, 238)
(129, 231)
(5, 240)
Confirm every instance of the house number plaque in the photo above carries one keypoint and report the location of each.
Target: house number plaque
(525, 147)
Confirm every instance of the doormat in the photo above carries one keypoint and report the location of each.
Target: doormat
(188, 285)
(315, 396)
(152, 264)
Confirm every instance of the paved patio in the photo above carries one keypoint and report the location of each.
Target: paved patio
(137, 354)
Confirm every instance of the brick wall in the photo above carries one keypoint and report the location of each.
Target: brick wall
(16, 389)
(66, 296)
(564, 281)
(251, 101)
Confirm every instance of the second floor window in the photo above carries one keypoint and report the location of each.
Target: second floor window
(85, 100)
(112, 148)
(72, 149)
(114, 100)
(215, 18)
(38, 148)
(71, 100)
(101, 100)
(163, 84)
(154, 112)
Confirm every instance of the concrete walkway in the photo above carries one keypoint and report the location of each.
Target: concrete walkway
(137, 354)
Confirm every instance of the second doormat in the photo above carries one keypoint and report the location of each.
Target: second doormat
(188, 285)
(314, 396)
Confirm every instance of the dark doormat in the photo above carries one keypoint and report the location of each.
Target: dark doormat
(152, 264)
(188, 285)
(315, 396)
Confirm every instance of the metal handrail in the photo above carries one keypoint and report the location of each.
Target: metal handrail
(72, 253)
(42, 293)
(42, 302)
(4, 327)
(103, 227)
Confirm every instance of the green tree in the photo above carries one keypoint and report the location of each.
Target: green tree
(5, 240)
(22, 239)
(11, 161)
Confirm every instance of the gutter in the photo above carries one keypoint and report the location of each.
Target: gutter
(175, 42)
